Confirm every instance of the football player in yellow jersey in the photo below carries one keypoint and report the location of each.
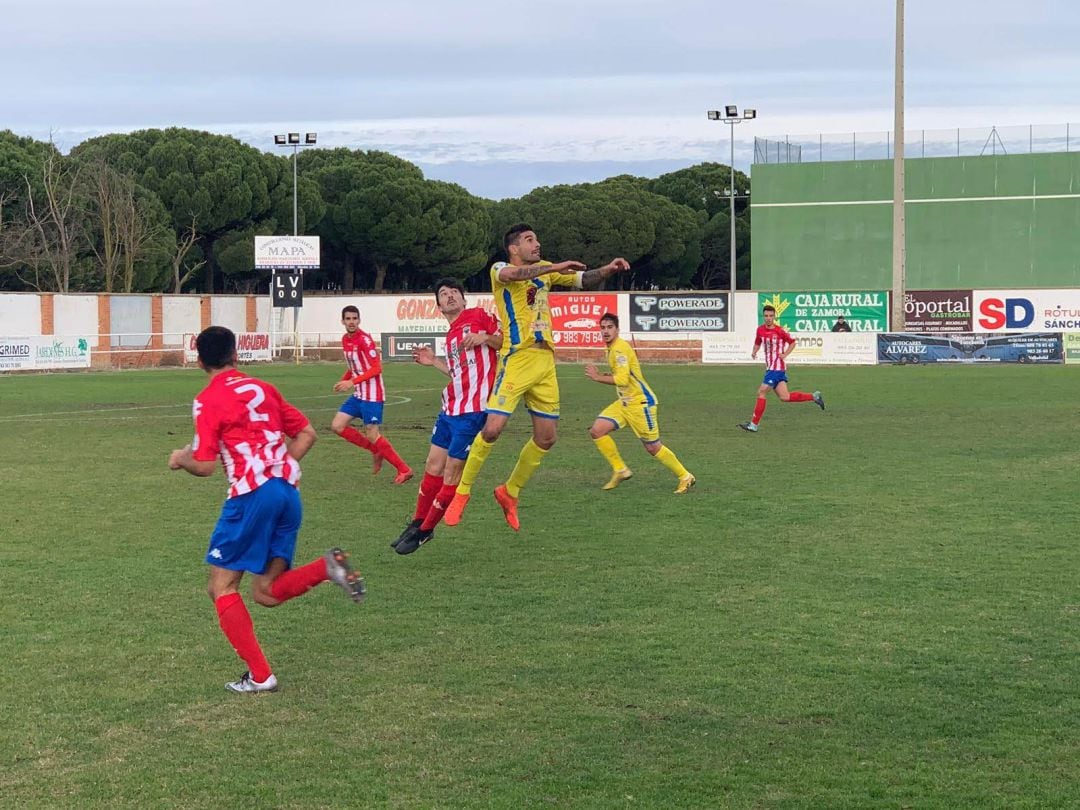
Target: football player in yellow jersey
(636, 407)
(526, 362)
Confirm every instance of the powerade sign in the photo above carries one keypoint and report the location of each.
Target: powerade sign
(905, 348)
(398, 347)
(679, 312)
(1027, 310)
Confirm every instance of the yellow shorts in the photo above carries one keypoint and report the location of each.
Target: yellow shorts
(529, 373)
(640, 417)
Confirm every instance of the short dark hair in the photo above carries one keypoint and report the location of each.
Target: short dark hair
(610, 316)
(511, 236)
(451, 282)
(216, 346)
(768, 308)
(349, 308)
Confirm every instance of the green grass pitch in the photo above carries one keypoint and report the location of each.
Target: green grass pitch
(874, 606)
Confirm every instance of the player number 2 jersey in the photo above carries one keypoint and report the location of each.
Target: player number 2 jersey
(523, 307)
(629, 381)
(244, 421)
(774, 342)
(472, 371)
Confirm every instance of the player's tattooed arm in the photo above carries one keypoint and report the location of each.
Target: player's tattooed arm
(591, 279)
(527, 272)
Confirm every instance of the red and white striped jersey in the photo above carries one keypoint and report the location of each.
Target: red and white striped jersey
(775, 340)
(362, 357)
(244, 421)
(472, 371)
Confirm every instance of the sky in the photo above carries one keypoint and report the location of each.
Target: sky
(502, 97)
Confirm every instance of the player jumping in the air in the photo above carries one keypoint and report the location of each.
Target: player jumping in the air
(470, 364)
(364, 377)
(246, 422)
(636, 406)
(778, 344)
(521, 287)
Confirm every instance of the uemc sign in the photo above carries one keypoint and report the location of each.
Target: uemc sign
(286, 252)
(399, 346)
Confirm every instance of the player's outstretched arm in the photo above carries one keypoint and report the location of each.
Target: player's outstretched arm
(182, 459)
(426, 357)
(593, 278)
(593, 374)
(527, 272)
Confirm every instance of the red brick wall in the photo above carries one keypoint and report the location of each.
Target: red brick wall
(48, 314)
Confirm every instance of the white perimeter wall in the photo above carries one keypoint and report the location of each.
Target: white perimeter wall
(230, 312)
(20, 315)
(180, 315)
(75, 315)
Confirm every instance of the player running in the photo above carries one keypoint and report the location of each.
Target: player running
(364, 376)
(778, 345)
(526, 362)
(636, 406)
(470, 363)
(244, 422)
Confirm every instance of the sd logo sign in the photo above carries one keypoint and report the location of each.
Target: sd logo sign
(1005, 313)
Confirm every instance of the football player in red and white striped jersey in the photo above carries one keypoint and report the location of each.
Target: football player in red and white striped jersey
(471, 359)
(778, 344)
(363, 376)
(260, 439)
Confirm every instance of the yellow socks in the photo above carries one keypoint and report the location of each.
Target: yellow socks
(529, 459)
(608, 449)
(671, 461)
(478, 454)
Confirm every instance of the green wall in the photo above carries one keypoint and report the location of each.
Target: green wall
(1033, 242)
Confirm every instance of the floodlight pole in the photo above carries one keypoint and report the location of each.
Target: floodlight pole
(293, 139)
(731, 117)
(731, 210)
(295, 153)
(899, 270)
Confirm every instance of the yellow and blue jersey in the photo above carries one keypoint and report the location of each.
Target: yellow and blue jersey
(523, 307)
(629, 381)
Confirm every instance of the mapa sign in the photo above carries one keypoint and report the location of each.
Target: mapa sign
(286, 252)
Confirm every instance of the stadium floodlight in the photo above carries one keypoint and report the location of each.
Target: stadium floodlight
(731, 117)
(292, 140)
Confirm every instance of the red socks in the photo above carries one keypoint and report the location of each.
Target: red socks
(236, 624)
(351, 434)
(759, 410)
(799, 396)
(438, 506)
(386, 450)
(299, 580)
(429, 488)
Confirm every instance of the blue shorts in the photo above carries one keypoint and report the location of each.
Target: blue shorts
(256, 527)
(774, 378)
(370, 413)
(455, 434)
